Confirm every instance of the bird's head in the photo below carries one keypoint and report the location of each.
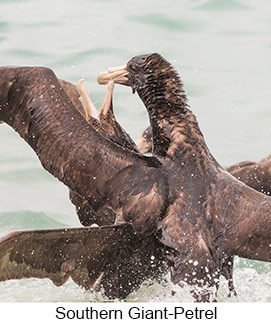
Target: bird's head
(140, 72)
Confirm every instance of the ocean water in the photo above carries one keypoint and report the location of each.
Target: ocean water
(222, 50)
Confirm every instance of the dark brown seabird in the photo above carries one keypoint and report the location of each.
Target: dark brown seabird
(120, 277)
(195, 214)
(114, 257)
(209, 216)
(254, 174)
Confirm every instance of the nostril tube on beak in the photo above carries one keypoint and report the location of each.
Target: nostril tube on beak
(117, 74)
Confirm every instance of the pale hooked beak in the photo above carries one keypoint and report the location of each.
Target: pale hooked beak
(117, 74)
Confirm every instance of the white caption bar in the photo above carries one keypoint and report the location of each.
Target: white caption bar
(134, 312)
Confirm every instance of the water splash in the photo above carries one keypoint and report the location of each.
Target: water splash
(250, 285)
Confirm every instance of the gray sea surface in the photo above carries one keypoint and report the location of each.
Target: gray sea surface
(222, 51)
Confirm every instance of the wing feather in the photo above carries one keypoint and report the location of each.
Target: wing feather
(256, 175)
(140, 193)
(36, 106)
(56, 254)
(109, 128)
(246, 220)
(113, 257)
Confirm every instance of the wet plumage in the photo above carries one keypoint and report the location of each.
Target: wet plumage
(197, 216)
(104, 122)
(35, 104)
(210, 216)
(254, 174)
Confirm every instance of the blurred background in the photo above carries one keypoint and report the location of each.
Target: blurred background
(222, 51)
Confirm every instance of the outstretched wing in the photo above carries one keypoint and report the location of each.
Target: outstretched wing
(80, 253)
(35, 105)
(246, 220)
(256, 175)
(113, 257)
(74, 96)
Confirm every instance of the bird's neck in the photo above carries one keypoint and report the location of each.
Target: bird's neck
(176, 133)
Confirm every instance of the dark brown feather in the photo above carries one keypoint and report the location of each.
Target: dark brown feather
(254, 174)
(200, 213)
(35, 105)
(110, 129)
(209, 216)
(86, 255)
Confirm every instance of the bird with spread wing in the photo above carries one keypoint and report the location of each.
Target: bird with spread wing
(179, 202)
(120, 272)
(210, 216)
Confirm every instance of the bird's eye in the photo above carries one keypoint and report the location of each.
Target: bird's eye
(143, 60)
(133, 67)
